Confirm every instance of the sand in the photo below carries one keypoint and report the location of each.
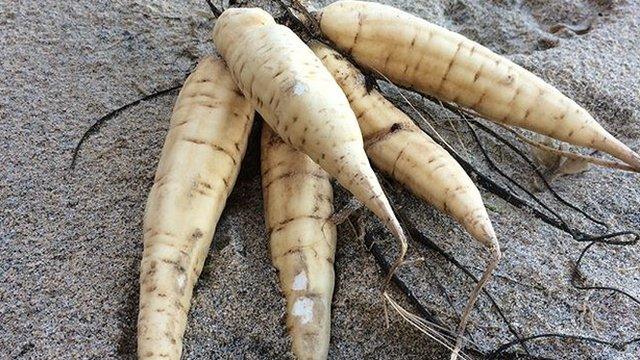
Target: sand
(70, 241)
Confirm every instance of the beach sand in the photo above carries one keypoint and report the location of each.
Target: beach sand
(71, 241)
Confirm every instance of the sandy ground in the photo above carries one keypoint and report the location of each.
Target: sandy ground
(70, 241)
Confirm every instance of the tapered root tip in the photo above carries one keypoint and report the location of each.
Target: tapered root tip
(620, 150)
(483, 231)
(634, 160)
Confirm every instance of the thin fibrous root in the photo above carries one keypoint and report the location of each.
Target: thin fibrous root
(341, 215)
(450, 148)
(214, 9)
(493, 263)
(433, 331)
(396, 264)
(95, 127)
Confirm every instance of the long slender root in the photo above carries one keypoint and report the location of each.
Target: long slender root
(392, 270)
(486, 276)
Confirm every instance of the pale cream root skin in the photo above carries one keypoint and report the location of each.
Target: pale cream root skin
(428, 58)
(198, 167)
(301, 102)
(404, 152)
(298, 201)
